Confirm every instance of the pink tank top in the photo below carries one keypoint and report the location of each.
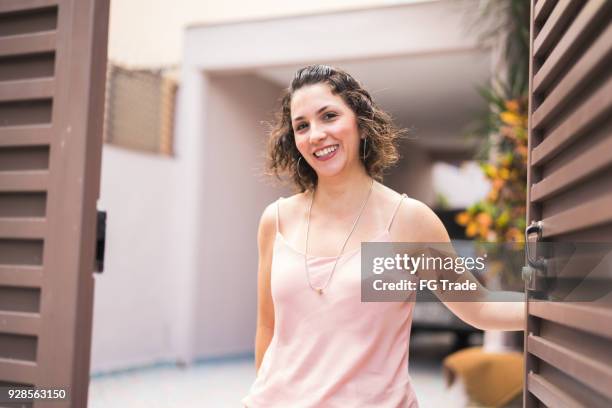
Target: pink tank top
(332, 350)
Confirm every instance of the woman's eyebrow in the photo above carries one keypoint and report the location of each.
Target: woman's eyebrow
(319, 111)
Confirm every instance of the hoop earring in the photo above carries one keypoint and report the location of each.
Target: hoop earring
(365, 143)
(298, 167)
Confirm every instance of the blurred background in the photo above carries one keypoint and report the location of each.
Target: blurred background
(191, 87)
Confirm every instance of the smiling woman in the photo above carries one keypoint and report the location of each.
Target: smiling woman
(317, 344)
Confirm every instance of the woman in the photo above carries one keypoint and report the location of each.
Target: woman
(317, 344)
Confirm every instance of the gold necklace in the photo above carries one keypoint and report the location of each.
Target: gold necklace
(320, 290)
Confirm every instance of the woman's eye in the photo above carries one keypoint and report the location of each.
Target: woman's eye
(300, 126)
(329, 115)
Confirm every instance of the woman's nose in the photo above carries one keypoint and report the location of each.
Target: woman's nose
(317, 133)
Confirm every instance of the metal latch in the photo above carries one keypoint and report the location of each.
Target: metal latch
(536, 267)
(100, 241)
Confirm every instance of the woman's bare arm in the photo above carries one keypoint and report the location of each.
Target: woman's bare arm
(265, 307)
(419, 223)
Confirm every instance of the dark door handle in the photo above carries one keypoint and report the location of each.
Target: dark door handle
(100, 241)
(534, 227)
(535, 270)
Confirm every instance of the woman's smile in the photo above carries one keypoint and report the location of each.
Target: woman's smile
(326, 152)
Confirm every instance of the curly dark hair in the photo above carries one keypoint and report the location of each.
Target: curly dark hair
(374, 124)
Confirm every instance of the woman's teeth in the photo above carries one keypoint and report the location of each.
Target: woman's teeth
(326, 151)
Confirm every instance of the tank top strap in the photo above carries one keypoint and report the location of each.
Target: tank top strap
(395, 211)
(278, 215)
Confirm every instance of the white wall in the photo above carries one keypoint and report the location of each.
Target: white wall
(462, 185)
(235, 192)
(134, 311)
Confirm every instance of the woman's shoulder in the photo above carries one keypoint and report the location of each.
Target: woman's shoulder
(292, 205)
(285, 205)
(267, 224)
(408, 206)
(416, 221)
(387, 195)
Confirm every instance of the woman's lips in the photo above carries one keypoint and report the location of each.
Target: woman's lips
(327, 156)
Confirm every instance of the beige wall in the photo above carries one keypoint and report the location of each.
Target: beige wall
(413, 174)
(134, 320)
(234, 194)
(150, 32)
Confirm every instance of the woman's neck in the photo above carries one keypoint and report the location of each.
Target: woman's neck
(341, 195)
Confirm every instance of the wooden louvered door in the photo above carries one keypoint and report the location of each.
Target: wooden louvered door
(568, 345)
(52, 76)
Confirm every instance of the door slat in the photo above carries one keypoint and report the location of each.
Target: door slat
(543, 9)
(28, 43)
(17, 371)
(554, 25)
(21, 276)
(23, 228)
(592, 373)
(29, 180)
(590, 62)
(594, 212)
(594, 108)
(27, 89)
(9, 6)
(34, 135)
(20, 323)
(569, 44)
(591, 319)
(579, 168)
(550, 394)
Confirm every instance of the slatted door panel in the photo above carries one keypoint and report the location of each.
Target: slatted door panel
(52, 72)
(569, 345)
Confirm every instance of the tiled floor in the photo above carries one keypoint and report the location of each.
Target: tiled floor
(222, 384)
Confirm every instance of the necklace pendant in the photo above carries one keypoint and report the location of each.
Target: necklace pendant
(363, 205)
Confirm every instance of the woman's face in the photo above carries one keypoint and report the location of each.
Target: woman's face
(325, 129)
